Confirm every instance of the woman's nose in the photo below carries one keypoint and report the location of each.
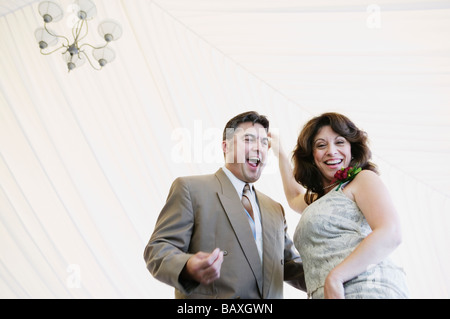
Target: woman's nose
(331, 150)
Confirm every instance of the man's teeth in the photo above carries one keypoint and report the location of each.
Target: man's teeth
(333, 162)
(254, 160)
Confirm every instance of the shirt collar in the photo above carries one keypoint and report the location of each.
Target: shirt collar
(237, 183)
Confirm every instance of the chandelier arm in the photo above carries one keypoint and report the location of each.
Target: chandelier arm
(48, 53)
(55, 35)
(95, 48)
(81, 28)
(76, 30)
(89, 60)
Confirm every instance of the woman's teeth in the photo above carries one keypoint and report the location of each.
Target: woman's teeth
(333, 162)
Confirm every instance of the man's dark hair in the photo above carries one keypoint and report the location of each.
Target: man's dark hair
(251, 116)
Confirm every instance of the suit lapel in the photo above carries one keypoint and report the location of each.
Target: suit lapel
(238, 219)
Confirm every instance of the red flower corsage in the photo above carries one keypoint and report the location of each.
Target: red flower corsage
(345, 175)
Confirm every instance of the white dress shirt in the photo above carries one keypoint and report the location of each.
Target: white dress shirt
(254, 224)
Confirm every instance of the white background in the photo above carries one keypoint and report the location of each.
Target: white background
(87, 157)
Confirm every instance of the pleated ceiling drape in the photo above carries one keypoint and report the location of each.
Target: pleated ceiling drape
(87, 157)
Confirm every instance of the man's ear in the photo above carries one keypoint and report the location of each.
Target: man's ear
(224, 147)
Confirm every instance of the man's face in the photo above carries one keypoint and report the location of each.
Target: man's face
(246, 151)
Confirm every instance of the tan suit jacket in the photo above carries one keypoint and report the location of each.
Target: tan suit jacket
(205, 212)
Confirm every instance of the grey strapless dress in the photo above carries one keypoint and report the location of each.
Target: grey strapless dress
(328, 231)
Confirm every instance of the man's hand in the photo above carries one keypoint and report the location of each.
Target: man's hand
(204, 267)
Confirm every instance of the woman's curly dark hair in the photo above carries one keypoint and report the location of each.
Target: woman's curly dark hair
(306, 173)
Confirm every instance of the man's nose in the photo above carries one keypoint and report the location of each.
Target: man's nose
(257, 145)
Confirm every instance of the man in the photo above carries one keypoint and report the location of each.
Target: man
(218, 237)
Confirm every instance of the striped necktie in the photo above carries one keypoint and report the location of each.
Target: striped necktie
(246, 200)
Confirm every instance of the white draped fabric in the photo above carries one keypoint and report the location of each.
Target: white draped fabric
(87, 157)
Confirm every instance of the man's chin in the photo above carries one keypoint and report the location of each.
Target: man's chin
(252, 177)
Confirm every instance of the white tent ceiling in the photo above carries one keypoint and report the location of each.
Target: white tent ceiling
(87, 158)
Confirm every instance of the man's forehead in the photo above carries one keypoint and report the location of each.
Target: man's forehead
(249, 128)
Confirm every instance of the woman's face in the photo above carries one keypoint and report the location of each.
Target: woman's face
(331, 152)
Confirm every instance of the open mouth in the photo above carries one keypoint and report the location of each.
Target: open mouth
(334, 162)
(254, 161)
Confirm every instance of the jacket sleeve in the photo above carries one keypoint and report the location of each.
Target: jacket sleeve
(166, 253)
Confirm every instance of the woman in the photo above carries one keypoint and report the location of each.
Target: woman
(348, 228)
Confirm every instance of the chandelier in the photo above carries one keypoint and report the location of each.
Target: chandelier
(74, 51)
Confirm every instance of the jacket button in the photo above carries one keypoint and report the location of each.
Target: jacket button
(225, 253)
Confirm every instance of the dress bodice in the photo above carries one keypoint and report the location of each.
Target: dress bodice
(328, 231)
